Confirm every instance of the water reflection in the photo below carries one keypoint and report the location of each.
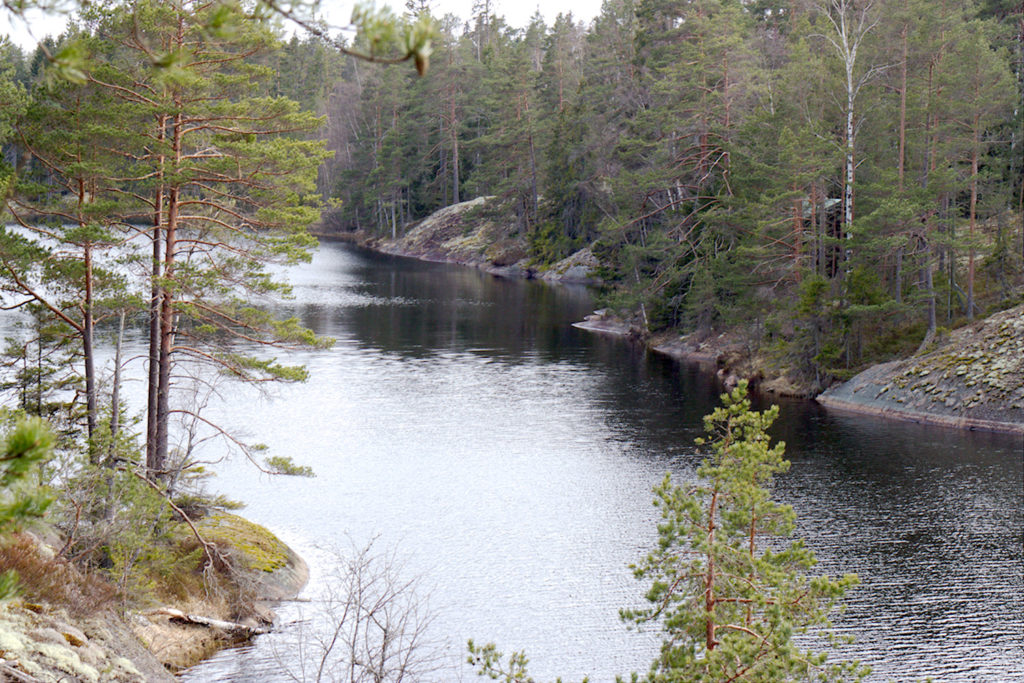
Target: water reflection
(511, 456)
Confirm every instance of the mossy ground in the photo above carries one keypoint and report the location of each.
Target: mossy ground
(254, 546)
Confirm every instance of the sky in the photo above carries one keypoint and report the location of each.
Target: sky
(37, 25)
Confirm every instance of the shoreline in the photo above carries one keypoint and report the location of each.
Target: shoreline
(71, 624)
(679, 350)
(573, 270)
(970, 424)
(708, 355)
(265, 571)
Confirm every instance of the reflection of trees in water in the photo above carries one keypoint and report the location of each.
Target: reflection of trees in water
(434, 308)
(930, 518)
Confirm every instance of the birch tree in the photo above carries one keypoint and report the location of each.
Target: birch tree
(848, 23)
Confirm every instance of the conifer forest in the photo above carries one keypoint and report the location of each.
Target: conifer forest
(840, 179)
(796, 196)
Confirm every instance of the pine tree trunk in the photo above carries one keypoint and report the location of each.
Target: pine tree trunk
(533, 181)
(898, 276)
(903, 109)
(86, 330)
(159, 465)
(797, 236)
(442, 162)
(930, 288)
(154, 310)
(455, 163)
(89, 355)
(817, 221)
(115, 393)
(709, 577)
(973, 218)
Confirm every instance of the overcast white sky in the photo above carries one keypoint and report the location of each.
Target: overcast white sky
(28, 33)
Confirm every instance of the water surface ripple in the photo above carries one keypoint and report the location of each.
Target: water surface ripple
(508, 459)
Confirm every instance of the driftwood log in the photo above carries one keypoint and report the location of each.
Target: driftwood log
(231, 628)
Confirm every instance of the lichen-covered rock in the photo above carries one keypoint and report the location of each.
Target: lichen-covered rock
(43, 644)
(459, 234)
(50, 640)
(972, 379)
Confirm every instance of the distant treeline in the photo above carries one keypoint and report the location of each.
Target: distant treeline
(836, 178)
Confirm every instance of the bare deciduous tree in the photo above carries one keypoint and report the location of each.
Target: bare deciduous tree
(371, 625)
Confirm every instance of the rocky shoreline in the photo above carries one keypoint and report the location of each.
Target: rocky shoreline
(973, 379)
(53, 642)
(263, 572)
(462, 235)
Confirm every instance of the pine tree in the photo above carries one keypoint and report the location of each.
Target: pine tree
(13, 101)
(728, 596)
(26, 446)
(978, 94)
(65, 207)
(221, 171)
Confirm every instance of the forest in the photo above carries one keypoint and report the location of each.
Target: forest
(832, 182)
(836, 181)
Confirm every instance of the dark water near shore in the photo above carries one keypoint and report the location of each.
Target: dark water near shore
(507, 458)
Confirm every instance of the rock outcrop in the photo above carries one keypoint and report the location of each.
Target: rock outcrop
(465, 234)
(973, 378)
(262, 570)
(45, 643)
(81, 635)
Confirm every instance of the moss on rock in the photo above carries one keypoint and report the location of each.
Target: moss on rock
(255, 546)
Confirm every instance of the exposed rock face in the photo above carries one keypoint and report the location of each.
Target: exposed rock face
(47, 644)
(974, 379)
(464, 234)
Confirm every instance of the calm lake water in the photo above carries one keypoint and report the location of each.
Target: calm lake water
(507, 459)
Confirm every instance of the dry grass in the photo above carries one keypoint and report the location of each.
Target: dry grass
(43, 578)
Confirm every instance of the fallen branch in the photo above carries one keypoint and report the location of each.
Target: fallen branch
(230, 627)
(12, 674)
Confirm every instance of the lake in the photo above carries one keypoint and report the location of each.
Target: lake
(505, 460)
